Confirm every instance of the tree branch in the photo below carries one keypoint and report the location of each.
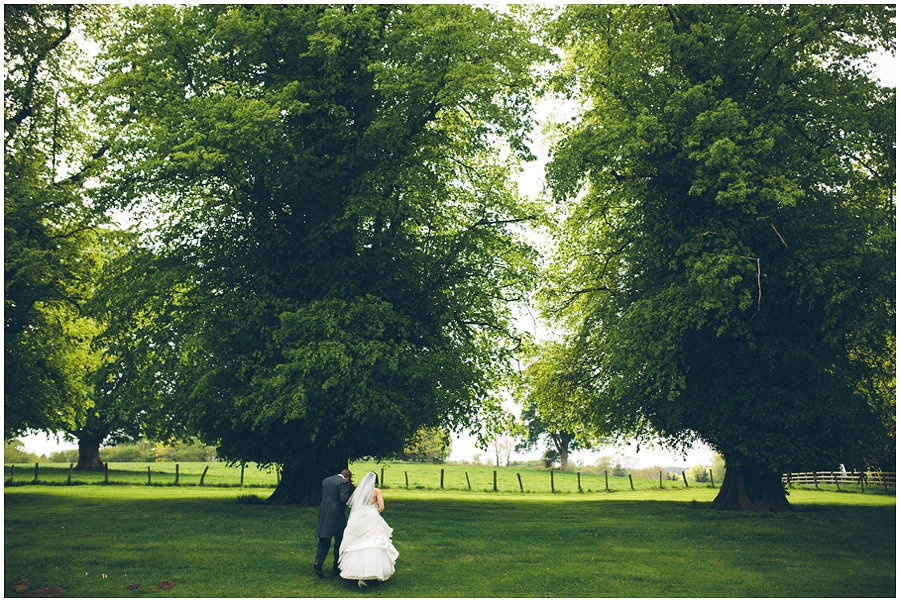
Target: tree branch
(27, 110)
(758, 280)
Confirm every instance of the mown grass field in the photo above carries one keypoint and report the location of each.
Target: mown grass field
(99, 541)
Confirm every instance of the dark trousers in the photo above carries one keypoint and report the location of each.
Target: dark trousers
(324, 545)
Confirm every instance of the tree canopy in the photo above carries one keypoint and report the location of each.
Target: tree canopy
(554, 405)
(47, 220)
(727, 263)
(328, 240)
(336, 233)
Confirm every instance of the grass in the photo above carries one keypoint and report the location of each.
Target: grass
(94, 541)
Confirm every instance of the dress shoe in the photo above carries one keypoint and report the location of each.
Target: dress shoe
(318, 571)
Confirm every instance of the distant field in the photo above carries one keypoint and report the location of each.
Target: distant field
(396, 475)
(393, 475)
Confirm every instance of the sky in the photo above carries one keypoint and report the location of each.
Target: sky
(463, 449)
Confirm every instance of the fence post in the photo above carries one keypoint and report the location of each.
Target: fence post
(243, 465)
(177, 471)
(106, 473)
(711, 482)
(521, 488)
(790, 485)
(837, 482)
(442, 478)
(382, 476)
(468, 482)
(684, 476)
(69, 480)
(203, 476)
(660, 479)
(495, 480)
(816, 479)
(36, 472)
(631, 481)
(606, 476)
(552, 486)
(12, 472)
(580, 490)
(148, 475)
(406, 476)
(862, 487)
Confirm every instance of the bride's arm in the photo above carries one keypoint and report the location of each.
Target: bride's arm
(377, 498)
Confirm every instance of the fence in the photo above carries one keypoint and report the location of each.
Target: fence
(854, 479)
(216, 474)
(422, 476)
(398, 475)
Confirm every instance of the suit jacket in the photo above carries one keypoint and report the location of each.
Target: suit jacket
(336, 491)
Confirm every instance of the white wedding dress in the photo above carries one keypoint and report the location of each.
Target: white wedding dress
(367, 552)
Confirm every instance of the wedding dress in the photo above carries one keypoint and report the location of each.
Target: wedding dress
(367, 552)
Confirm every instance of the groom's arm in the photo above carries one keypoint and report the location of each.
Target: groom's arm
(346, 491)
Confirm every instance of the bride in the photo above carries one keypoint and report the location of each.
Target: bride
(366, 551)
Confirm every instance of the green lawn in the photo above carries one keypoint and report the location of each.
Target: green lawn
(95, 541)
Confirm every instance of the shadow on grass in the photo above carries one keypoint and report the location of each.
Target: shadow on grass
(95, 542)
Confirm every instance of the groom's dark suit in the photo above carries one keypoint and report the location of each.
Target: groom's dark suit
(336, 491)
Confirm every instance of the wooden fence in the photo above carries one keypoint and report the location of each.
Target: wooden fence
(405, 475)
(421, 476)
(861, 479)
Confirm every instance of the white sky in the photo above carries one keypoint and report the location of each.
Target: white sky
(464, 450)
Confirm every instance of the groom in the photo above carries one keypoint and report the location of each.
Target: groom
(336, 491)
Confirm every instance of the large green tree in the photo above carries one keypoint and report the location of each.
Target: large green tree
(555, 407)
(727, 264)
(120, 410)
(46, 221)
(335, 232)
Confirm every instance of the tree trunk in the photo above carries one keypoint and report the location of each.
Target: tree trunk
(564, 459)
(562, 441)
(746, 489)
(301, 484)
(89, 454)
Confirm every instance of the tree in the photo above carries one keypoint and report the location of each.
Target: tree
(429, 445)
(700, 474)
(14, 453)
(554, 407)
(122, 405)
(718, 467)
(503, 445)
(335, 231)
(729, 271)
(47, 156)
